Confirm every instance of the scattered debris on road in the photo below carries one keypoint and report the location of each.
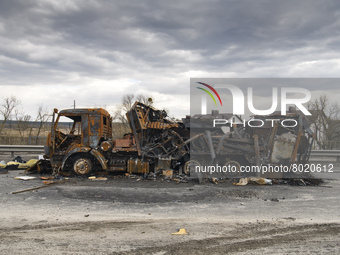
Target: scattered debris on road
(25, 178)
(94, 178)
(159, 148)
(257, 180)
(39, 187)
(181, 231)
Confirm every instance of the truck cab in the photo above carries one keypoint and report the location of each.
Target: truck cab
(75, 136)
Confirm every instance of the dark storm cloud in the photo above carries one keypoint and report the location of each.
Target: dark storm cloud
(161, 34)
(157, 45)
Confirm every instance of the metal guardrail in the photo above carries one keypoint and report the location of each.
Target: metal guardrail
(22, 148)
(40, 149)
(325, 153)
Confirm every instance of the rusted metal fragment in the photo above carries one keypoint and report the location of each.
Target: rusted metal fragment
(137, 166)
(163, 164)
(123, 143)
(100, 157)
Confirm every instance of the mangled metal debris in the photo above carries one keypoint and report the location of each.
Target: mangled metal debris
(242, 148)
(156, 145)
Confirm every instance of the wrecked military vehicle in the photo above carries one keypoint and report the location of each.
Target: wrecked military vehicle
(158, 143)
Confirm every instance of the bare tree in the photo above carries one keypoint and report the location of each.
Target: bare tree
(125, 106)
(36, 127)
(144, 99)
(6, 109)
(42, 117)
(127, 102)
(325, 121)
(22, 122)
(119, 114)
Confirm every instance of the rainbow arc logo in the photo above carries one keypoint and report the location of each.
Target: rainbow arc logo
(209, 93)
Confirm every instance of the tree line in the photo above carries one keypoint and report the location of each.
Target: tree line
(15, 122)
(325, 119)
(325, 122)
(12, 114)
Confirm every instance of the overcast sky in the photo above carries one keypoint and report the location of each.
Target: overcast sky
(55, 51)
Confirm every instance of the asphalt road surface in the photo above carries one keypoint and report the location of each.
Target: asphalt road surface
(124, 215)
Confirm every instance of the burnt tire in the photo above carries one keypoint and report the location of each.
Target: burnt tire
(83, 166)
(189, 166)
(234, 169)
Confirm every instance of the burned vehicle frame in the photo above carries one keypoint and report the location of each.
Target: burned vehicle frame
(158, 143)
(154, 142)
(241, 144)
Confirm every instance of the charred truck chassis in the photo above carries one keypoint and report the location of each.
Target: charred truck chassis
(265, 143)
(157, 143)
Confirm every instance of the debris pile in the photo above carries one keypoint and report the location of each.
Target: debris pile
(17, 164)
(160, 148)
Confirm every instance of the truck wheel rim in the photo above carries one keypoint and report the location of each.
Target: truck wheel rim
(82, 166)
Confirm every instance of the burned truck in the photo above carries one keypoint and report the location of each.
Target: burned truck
(275, 140)
(156, 142)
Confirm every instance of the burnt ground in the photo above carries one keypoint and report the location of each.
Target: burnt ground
(133, 216)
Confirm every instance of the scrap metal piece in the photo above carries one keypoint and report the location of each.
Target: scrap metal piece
(298, 139)
(283, 148)
(35, 188)
(257, 153)
(137, 166)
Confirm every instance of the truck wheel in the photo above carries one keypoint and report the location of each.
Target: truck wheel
(82, 166)
(189, 166)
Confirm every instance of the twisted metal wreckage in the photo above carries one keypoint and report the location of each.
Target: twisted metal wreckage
(158, 143)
